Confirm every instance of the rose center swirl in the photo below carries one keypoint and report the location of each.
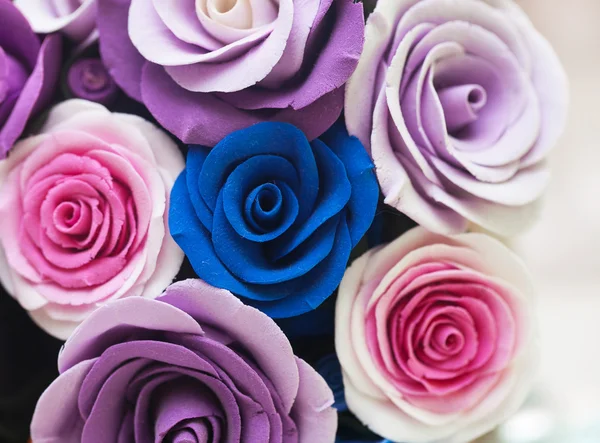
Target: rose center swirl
(191, 431)
(461, 105)
(81, 222)
(264, 207)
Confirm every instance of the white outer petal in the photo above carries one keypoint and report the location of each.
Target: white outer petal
(154, 266)
(77, 25)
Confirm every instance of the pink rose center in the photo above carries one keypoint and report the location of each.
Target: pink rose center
(447, 336)
(70, 218)
(446, 339)
(81, 219)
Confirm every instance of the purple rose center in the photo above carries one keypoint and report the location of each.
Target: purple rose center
(461, 105)
(95, 77)
(89, 79)
(199, 431)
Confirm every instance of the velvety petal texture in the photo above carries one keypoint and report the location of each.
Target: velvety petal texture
(84, 208)
(29, 73)
(273, 217)
(206, 68)
(74, 18)
(194, 366)
(436, 337)
(458, 102)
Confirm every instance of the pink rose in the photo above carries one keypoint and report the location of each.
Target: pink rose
(84, 214)
(435, 337)
(74, 18)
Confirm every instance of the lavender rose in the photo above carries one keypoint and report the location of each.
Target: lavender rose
(194, 366)
(459, 101)
(28, 73)
(436, 336)
(207, 68)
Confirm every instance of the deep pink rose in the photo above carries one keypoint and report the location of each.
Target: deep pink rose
(435, 337)
(84, 214)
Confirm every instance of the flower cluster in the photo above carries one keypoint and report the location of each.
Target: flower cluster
(204, 198)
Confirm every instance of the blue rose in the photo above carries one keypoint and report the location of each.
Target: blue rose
(273, 217)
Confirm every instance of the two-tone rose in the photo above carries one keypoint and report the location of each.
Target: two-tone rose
(458, 102)
(436, 337)
(84, 209)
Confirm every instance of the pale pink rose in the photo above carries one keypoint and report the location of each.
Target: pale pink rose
(84, 209)
(435, 337)
(74, 18)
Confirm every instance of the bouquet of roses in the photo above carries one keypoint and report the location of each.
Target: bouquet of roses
(215, 203)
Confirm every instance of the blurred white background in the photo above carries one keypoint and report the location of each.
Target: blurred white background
(563, 250)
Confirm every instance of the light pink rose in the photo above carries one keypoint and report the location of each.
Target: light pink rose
(435, 337)
(74, 18)
(84, 209)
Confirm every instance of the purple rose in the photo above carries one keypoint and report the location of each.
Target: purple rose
(74, 18)
(28, 73)
(207, 68)
(194, 366)
(459, 101)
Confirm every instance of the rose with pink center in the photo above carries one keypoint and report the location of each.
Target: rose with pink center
(84, 209)
(435, 337)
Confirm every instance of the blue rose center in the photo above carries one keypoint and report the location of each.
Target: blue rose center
(264, 207)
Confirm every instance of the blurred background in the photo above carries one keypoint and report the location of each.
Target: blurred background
(563, 250)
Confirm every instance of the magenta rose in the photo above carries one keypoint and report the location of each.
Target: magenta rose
(28, 73)
(435, 336)
(84, 209)
(458, 102)
(207, 68)
(194, 366)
